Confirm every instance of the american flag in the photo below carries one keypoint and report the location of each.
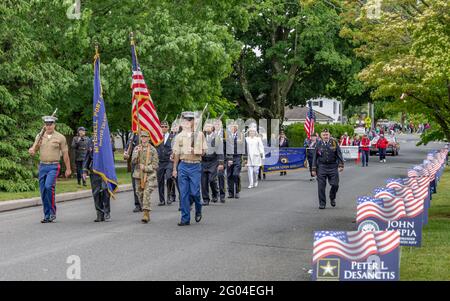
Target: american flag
(413, 198)
(143, 112)
(384, 192)
(356, 245)
(393, 209)
(309, 122)
(387, 241)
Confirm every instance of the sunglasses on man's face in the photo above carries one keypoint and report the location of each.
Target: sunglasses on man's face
(164, 126)
(49, 123)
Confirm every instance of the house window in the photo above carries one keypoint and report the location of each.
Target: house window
(334, 108)
(321, 104)
(315, 103)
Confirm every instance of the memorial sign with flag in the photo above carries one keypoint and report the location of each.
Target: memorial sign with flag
(356, 256)
(392, 210)
(103, 157)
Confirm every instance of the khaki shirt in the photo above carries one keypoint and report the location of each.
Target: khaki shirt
(183, 146)
(51, 148)
(140, 157)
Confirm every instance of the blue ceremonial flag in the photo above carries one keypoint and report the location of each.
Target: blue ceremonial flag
(103, 161)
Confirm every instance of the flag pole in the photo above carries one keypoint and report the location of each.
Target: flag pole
(139, 92)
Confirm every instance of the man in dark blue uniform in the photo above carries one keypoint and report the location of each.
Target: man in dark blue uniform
(99, 188)
(80, 145)
(220, 142)
(211, 161)
(283, 142)
(234, 151)
(327, 163)
(164, 173)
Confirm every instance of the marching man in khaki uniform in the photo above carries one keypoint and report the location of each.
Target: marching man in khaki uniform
(188, 149)
(50, 144)
(145, 156)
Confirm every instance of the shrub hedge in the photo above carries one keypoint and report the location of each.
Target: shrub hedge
(296, 132)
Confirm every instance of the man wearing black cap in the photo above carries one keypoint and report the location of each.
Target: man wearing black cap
(327, 163)
(80, 146)
(164, 173)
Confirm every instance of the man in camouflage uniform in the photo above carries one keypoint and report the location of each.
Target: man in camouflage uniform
(145, 157)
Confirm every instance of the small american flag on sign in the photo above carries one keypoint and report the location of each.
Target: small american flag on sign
(378, 208)
(356, 246)
(413, 196)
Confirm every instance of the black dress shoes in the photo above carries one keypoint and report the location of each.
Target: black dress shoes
(198, 218)
(322, 207)
(183, 224)
(214, 200)
(137, 209)
(333, 203)
(161, 204)
(236, 195)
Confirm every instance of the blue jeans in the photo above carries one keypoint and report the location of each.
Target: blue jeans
(365, 157)
(189, 177)
(382, 153)
(48, 173)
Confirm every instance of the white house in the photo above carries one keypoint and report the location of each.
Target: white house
(327, 106)
(298, 114)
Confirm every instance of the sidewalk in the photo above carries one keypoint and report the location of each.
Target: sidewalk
(62, 197)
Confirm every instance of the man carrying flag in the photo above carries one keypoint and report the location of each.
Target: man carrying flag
(145, 123)
(100, 158)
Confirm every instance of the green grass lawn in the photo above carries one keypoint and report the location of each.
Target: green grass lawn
(118, 156)
(432, 260)
(64, 185)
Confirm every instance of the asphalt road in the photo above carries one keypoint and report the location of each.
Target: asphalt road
(265, 235)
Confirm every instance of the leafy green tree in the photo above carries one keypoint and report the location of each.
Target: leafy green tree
(292, 51)
(407, 47)
(183, 52)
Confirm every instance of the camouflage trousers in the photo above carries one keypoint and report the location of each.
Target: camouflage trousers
(145, 194)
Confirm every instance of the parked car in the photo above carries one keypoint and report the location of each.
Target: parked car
(393, 146)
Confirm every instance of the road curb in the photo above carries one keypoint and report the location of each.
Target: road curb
(62, 197)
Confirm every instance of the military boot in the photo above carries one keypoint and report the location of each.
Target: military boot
(146, 217)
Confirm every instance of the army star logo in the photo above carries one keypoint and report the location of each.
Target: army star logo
(328, 269)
